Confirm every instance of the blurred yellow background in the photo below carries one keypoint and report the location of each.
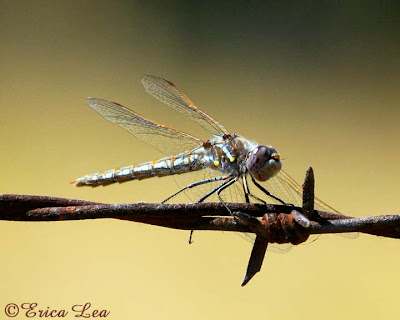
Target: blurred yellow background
(319, 81)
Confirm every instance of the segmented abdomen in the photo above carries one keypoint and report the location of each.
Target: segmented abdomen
(178, 164)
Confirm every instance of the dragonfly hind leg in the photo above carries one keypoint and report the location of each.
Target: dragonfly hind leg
(217, 190)
(210, 193)
(195, 184)
(222, 187)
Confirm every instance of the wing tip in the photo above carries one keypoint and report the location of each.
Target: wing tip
(90, 101)
(147, 77)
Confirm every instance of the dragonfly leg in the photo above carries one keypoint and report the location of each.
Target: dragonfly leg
(212, 191)
(247, 192)
(223, 187)
(195, 184)
(266, 191)
(190, 237)
(204, 198)
(257, 198)
(246, 189)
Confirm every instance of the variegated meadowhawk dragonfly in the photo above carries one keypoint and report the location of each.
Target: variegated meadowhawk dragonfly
(229, 163)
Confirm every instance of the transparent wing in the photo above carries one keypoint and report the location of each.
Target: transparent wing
(163, 138)
(169, 94)
(286, 188)
(274, 247)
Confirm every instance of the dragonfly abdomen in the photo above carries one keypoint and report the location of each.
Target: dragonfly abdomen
(178, 164)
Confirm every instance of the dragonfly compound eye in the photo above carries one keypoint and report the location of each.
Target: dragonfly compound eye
(264, 162)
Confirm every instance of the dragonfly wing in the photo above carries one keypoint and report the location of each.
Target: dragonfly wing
(294, 193)
(165, 139)
(274, 247)
(286, 188)
(169, 94)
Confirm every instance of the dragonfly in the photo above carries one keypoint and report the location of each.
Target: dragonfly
(231, 166)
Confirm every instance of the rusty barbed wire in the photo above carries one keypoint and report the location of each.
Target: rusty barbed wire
(188, 216)
(271, 223)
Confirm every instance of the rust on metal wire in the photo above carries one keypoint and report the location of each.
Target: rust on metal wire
(308, 194)
(271, 223)
(200, 216)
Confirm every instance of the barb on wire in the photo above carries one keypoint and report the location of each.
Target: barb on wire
(271, 223)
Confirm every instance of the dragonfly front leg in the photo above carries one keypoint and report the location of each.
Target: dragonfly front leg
(247, 192)
(266, 191)
(246, 189)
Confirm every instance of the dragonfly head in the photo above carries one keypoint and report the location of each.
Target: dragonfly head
(263, 162)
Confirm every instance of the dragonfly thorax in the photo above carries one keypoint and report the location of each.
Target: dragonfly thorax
(227, 154)
(263, 162)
